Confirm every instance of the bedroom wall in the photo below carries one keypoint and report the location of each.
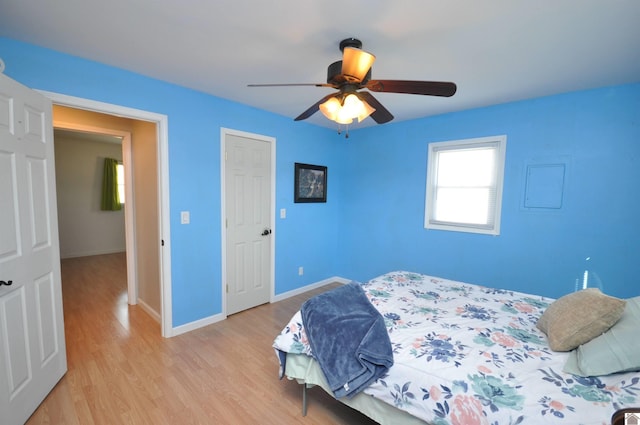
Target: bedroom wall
(372, 221)
(307, 237)
(84, 229)
(595, 133)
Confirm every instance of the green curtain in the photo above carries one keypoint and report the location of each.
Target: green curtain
(110, 198)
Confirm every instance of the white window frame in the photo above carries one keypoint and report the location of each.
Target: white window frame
(120, 179)
(491, 228)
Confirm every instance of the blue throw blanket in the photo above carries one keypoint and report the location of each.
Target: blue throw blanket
(348, 338)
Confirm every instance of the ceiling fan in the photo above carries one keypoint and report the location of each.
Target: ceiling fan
(353, 73)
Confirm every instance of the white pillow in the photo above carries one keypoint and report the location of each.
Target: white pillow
(617, 350)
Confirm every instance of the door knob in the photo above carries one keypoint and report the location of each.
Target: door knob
(266, 232)
(8, 283)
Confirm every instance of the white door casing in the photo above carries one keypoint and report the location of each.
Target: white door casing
(129, 222)
(248, 220)
(164, 246)
(32, 344)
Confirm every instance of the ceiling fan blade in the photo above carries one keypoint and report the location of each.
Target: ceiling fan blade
(381, 115)
(428, 88)
(313, 108)
(292, 85)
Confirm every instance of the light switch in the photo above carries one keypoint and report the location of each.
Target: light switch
(283, 213)
(184, 217)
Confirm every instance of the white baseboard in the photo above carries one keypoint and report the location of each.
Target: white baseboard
(66, 255)
(192, 326)
(307, 288)
(150, 311)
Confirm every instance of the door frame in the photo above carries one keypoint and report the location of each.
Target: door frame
(164, 246)
(129, 211)
(224, 132)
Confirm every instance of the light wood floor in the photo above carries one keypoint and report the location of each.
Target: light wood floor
(121, 370)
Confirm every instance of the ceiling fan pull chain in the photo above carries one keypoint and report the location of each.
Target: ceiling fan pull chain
(346, 130)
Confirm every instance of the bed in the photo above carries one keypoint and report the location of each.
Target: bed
(468, 354)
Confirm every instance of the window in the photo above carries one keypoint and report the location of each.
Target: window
(464, 185)
(120, 180)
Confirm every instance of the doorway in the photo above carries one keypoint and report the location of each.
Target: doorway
(149, 236)
(84, 228)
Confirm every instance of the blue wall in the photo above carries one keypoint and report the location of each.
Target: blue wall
(595, 133)
(373, 219)
(194, 171)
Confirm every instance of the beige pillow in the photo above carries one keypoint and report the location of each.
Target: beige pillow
(577, 318)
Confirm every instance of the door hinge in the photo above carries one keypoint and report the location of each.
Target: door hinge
(227, 288)
(162, 242)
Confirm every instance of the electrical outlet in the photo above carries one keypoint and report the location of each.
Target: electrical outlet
(300, 271)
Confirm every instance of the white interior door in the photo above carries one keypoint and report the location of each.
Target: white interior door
(32, 346)
(248, 222)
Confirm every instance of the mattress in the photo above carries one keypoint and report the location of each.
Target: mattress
(468, 354)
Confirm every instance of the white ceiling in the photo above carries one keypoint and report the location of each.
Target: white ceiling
(496, 51)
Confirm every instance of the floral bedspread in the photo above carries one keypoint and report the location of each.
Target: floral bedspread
(466, 354)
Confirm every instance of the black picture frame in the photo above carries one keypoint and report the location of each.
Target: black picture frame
(310, 183)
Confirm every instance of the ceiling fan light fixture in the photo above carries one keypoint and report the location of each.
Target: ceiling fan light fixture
(330, 108)
(356, 63)
(343, 118)
(365, 111)
(352, 105)
(344, 113)
(352, 74)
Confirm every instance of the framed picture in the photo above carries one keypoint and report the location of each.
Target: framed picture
(310, 183)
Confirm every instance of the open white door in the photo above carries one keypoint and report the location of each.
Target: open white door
(32, 346)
